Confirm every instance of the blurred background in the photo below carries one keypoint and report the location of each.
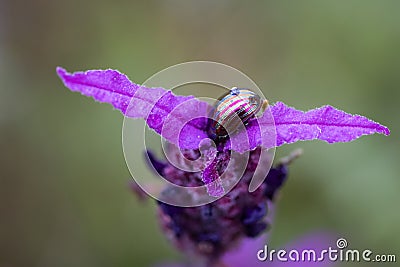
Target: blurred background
(64, 195)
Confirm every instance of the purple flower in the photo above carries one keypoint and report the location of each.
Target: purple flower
(154, 104)
(182, 120)
(209, 231)
(218, 232)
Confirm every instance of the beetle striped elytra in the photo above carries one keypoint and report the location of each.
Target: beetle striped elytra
(232, 109)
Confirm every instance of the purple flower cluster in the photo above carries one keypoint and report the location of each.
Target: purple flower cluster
(211, 231)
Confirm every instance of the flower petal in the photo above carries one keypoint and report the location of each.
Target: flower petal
(325, 123)
(211, 179)
(183, 116)
(210, 175)
(106, 86)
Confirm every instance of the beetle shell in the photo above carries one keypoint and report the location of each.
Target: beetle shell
(232, 109)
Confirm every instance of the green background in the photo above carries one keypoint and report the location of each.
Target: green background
(64, 196)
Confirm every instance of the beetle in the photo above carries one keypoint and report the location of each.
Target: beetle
(237, 106)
